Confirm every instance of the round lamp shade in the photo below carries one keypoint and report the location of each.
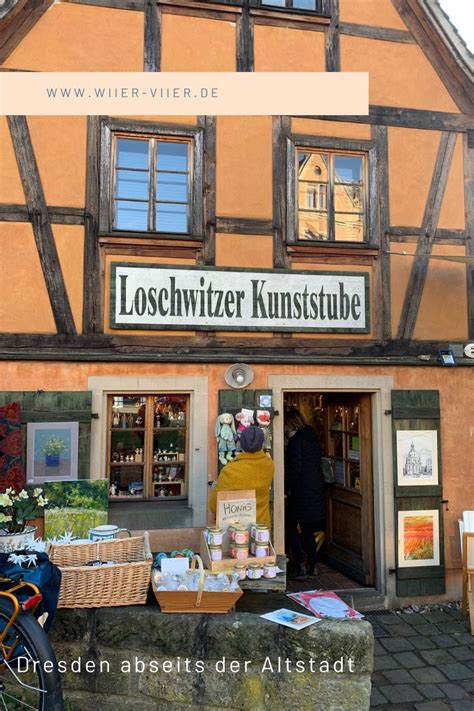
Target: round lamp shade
(238, 375)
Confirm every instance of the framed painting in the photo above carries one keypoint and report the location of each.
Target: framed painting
(52, 451)
(75, 506)
(417, 457)
(418, 538)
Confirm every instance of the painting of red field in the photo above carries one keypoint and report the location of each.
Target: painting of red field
(418, 538)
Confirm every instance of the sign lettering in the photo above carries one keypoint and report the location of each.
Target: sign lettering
(155, 297)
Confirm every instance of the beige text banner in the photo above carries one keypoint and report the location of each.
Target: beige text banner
(177, 93)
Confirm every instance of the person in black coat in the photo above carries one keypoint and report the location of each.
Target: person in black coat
(304, 489)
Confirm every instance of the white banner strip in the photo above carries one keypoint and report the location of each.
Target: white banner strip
(183, 94)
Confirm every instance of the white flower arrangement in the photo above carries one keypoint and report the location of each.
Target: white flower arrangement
(17, 508)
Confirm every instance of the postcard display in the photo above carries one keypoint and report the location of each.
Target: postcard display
(418, 492)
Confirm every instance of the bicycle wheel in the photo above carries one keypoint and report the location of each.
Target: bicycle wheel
(24, 681)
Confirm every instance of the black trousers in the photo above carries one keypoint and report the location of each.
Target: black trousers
(301, 543)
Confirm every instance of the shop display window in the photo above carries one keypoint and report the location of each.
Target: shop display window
(148, 451)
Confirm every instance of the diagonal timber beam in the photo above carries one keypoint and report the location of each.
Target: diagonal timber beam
(419, 270)
(40, 219)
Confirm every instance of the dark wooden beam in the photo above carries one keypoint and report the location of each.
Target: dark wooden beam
(243, 226)
(217, 349)
(332, 42)
(408, 118)
(15, 25)
(382, 296)
(421, 26)
(245, 40)
(113, 4)
(12, 212)
(209, 124)
(385, 34)
(409, 235)
(281, 129)
(152, 39)
(429, 225)
(42, 230)
(92, 307)
(468, 152)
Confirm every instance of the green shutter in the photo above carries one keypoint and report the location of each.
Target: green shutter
(234, 400)
(65, 406)
(418, 410)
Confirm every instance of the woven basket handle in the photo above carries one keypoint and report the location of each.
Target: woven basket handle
(197, 560)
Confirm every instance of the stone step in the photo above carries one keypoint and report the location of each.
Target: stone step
(363, 599)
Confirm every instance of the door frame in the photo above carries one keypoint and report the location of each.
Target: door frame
(380, 388)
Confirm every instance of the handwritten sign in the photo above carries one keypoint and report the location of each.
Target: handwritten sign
(236, 506)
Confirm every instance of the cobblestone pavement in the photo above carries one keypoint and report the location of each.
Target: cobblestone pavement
(424, 660)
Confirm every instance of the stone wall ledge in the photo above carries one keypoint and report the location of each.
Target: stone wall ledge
(143, 654)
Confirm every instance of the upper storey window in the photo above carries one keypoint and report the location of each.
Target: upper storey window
(331, 196)
(152, 185)
(151, 179)
(314, 5)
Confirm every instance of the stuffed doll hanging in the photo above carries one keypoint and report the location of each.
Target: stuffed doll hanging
(263, 420)
(225, 436)
(245, 419)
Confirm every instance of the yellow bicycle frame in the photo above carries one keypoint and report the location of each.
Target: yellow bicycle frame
(10, 594)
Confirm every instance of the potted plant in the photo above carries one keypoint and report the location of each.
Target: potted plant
(52, 449)
(16, 509)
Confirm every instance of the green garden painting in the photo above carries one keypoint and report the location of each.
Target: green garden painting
(75, 506)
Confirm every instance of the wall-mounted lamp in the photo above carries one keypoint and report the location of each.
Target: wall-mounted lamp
(238, 375)
(447, 357)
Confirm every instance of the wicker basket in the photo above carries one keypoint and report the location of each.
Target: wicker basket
(104, 586)
(199, 601)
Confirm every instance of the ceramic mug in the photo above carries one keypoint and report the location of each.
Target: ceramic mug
(106, 532)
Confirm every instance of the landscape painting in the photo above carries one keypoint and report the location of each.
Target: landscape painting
(417, 457)
(418, 538)
(75, 507)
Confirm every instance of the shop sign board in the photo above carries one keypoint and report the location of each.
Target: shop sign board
(155, 296)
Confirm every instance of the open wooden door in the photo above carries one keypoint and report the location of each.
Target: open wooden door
(350, 514)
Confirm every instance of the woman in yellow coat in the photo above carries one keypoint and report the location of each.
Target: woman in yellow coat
(251, 469)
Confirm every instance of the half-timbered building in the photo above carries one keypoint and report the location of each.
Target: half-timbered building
(142, 257)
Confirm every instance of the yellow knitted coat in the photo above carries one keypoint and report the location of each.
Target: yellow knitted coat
(249, 470)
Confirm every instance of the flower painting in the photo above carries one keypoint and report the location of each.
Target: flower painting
(52, 451)
(418, 538)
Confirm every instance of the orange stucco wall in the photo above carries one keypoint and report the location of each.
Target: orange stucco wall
(11, 189)
(443, 308)
(24, 303)
(412, 155)
(279, 49)
(244, 166)
(452, 214)
(338, 129)
(82, 38)
(59, 143)
(400, 74)
(69, 241)
(258, 250)
(197, 44)
(379, 13)
(455, 396)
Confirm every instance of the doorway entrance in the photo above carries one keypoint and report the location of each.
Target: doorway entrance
(343, 424)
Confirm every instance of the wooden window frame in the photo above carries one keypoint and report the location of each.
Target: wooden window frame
(111, 129)
(340, 146)
(321, 10)
(149, 464)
